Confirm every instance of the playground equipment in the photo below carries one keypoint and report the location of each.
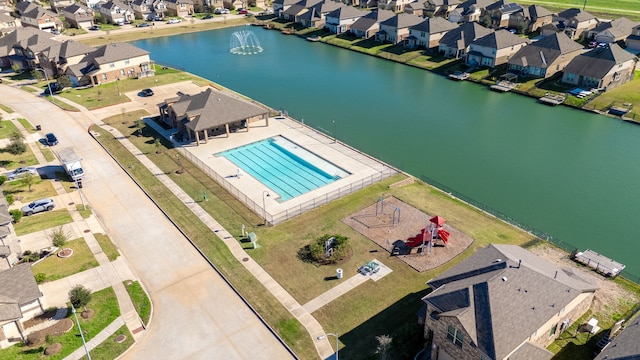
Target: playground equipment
(428, 235)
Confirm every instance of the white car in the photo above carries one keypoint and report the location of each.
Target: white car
(20, 172)
(174, 21)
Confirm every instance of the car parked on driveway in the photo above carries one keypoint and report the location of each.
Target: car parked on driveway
(174, 21)
(94, 28)
(20, 172)
(146, 92)
(51, 139)
(143, 25)
(38, 206)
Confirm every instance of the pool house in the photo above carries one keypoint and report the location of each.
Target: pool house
(210, 113)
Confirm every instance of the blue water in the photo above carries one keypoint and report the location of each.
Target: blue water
(282, 171)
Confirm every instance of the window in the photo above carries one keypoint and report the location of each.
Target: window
(126, 62)
(122, 72)
(553, 330)
(455, 336)
(112, 65)
(104, 76)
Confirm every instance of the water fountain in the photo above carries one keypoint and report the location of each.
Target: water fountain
(244, 42)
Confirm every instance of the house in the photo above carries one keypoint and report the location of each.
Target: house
(279, 6)
(428, 33)
(546, 57)
(210, 113)
(613, 31)
(501, 12)
(502, 302)
(19, 302)
(149, 9)
(92, 4)
(315, 16)
(601, 68)
(633, 41)
(6, 7)
(455, 43)
(38, 17)
(235, 4)
(393, 5)
(8, 23)
(531, 18)
(9, 243)
(575, 22)
(57, 57)
(116, 12)
(625, 345)
(416, 8)
(495, 48)
(110, 63)
(396, 29)
(58, 5)
(340, 20)
(469, 11)
(440, 8)
(78, 16)
(368, 25)
(299, 8)
(19, 48)
(180, 8)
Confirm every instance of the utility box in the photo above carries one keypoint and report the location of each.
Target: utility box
(339, 273)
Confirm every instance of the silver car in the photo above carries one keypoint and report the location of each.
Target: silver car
(38, 206)
(21, 171)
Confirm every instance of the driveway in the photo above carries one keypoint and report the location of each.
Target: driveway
(196, 314)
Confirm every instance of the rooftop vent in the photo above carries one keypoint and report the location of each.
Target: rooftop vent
(497, 260)
(504, 278)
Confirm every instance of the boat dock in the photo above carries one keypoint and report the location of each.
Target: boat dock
(503, 86)
(552, 99)
(618, 111)
(459, 76)
(599, 263)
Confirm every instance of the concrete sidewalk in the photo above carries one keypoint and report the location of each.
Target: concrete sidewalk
(92, 342)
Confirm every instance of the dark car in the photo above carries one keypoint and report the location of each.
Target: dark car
(94, 28)
(143, 25)
(55, 88)
(51, 139)
(207, 17)
(146, 92)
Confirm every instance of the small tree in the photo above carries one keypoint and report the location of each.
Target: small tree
(65, 81)
(16, 214)
(37, 75)
(29, 179)
(384, 344)
(16, 145)
(59, 237)
(79, 296)
(140, 127)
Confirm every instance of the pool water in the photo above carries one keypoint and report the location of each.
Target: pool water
(284, 167)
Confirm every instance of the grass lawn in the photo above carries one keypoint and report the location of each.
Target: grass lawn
(84, 211)
(42, 221)
(8, 160)
(20, 191)
(56, 268)
(107, 246)
(626, 93)
(609, 9)
(27, 125)
(6, 109)
(105, 305)
(110, 349)
(140, 300)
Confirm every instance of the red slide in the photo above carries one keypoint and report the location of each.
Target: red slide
(444, 235)
(418, 239)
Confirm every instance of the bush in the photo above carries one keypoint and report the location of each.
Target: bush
(338, 251)
(59, 237)
(3, 179)
(10, 199)
(40, 277)
(79, 296)
(16, 214)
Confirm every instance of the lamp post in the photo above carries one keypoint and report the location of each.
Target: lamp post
(264, 207)
(46, 77)
(73, 310)
(118, 85)
(330, 334)
(334, 131)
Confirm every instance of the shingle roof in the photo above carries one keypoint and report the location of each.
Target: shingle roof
(500, 39)
(402, 20)
(75, 7)
(599, 61)
(67, 49)
(502, 294)
(212, 109)
(294, 9)
(116, 51)
(18, 284)
(6, 18)
(464, 35)
(9, 309)
(545, 51)
(625, 346)
(576, 13)
(536, 11)
(285, 2)
(347, 12)
(28, 37)
(618, 27)
(435, 25)
(367, 21)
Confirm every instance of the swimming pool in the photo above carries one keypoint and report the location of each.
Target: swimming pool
(284, 167)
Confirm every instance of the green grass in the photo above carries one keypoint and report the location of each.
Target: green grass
(140, 300)
(110, 349)
(602, 8)
(6, 128)
(27, 125)
(6, 109)
(84, 211)
(58, 268)
(107, 246)
(20, 191)
(42, 221)
(626, 93)
(105, 305)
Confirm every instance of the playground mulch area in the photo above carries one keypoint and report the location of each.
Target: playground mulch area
(397, 221)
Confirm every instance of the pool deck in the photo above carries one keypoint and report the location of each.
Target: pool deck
(361, 166)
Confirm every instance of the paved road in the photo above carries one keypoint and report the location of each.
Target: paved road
(196, 315)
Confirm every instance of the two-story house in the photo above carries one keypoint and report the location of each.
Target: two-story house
(396, 29)
(575, 22)
(604, 67)
(495, 48)
(116, 12)
(531, 18)
(8, 23)
(428, 33)
(57, 57)
(501, 12)
(393, 5)
(455, 43)
(469, 11)
(279, 6)
(180, 8)
(613, 31)
(633, 40)
(148, 9)
(299, 8)
(368, 25)
(440, 8)
(38, 17)
(19, 48)
(315, 16)
(340, 20)
(78, 16)
(502, 302)
(546, 57)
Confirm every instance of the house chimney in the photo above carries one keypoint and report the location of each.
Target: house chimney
(519, 263)
(556, 274)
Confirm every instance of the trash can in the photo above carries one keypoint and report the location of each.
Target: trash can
(38, 127)
(339, 273)
(79, 184)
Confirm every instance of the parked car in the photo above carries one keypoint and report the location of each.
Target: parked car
(55, 32)
(55, 88)
(20, 172)
(173, 21)
(51, 139)
(243, 12)
(146, 92)
(143, 25)
(208, 17)
(38, 206)
(94, 28)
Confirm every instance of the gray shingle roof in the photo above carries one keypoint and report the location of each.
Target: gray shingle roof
(26, 38)
(347, 12)
(545, 51)
(402, 20)
(9, 309)
(435, 25)
(500, 39)
(464, 35)
(598, 62)
(618, 27)
(367, 21)
(502, 294)
(576, 13)
(625, 346)
(18, 284)
(535, 11)
(115, 52)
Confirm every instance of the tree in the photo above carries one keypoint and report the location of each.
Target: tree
(140, 127)
(29, 179)
(59, 237)
(39, 76)
(16, 145)
(65, 81)
(79, 296)
(384, 344)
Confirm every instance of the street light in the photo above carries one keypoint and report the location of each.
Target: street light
(118, 85)
(264, 207)
(46, 77)
(334, 131)
(73, 310)
(330, 334)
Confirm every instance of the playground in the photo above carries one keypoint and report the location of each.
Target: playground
(420, 240)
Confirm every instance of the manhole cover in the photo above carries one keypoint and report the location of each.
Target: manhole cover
(245, 259)
(121, 338)
(87, 231)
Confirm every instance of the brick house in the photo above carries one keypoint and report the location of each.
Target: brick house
(428, 33)
(20, 48)
(531, 18)
(340, 20)
(396, 29)
(38, 17)
(613, 31)
(116, 12)
(180, 8)
(502, 302)
(575, 22)
(456, 42)
(78, 16)
(495, 48)
(368, 25)
(546, 57)
(8, 23)
(601, 68)
(440, 8)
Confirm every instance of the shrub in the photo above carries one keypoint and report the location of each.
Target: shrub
(79, 296)
(16, 214)
(3, 179)
(59, 237)
(40, 277)
(29, 256)
(10, 199)
(338, 251)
